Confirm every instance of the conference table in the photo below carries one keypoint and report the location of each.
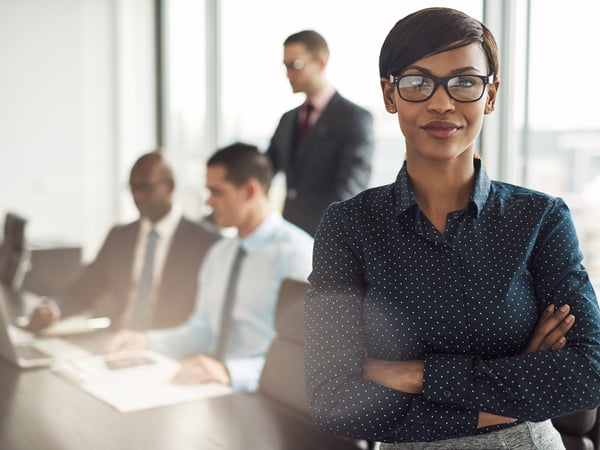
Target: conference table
(41, 410)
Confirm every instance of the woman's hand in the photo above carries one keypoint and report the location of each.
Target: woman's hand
(407, 376)
(550, 331)
(549, 334)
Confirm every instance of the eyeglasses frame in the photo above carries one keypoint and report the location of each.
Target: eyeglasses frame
(441, 81)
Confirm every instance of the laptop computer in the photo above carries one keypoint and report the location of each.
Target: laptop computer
(25, 350)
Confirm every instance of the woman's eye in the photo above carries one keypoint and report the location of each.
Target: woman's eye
(464, 82)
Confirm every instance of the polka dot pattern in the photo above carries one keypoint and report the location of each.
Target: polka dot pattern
(386, 283)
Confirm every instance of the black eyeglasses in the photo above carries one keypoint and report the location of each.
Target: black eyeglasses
(462, 88)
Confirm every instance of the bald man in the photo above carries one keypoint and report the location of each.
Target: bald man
(111, 284)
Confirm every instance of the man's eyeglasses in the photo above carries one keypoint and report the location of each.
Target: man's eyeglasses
(462, 88)
(146, 187)
(295, 65)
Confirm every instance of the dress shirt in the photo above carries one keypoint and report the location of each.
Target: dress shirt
(274, 251)
(388, 285)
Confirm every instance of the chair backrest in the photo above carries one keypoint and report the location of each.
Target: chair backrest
(579, 431)
(13, 254)
(282, 378)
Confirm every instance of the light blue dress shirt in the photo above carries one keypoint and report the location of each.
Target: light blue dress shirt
(276, 250)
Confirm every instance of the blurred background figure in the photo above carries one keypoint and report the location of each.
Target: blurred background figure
(227, 337)
(145, 274)
(324, 146)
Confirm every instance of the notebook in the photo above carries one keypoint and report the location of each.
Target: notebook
(25, 350)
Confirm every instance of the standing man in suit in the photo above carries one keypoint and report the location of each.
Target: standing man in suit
(134, 285)
(324, 146)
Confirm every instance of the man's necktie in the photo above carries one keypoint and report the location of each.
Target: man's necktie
(139, 316)
(226, 317)
(305, 124)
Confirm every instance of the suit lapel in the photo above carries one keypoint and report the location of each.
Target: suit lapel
(128, 244)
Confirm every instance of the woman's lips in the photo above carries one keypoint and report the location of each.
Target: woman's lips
(440, 129)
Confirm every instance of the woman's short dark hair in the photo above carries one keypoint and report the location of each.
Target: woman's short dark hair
(242, 162)
(431, 31)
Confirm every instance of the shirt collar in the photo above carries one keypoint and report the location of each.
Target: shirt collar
(263, 232)
(405, 197)
(321, 99)
(165, 226)
(483, 185)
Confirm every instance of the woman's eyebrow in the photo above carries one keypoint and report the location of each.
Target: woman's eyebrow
(466, 69)
(453, 72)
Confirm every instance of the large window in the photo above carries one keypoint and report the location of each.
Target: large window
(255, 88)
(562, 141)
(187, 84)
(242, 72)
(545, 132)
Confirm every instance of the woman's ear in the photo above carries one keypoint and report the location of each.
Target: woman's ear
(492, 93)
(389, 97)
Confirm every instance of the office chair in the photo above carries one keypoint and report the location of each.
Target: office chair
(14, 256)
(580, 431)
(282, 378)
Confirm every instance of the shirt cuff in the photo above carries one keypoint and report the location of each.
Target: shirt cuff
(245, 372)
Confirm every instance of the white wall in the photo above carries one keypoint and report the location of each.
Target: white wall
(77, 108)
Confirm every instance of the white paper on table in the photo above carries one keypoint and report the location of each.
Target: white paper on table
(141, 381)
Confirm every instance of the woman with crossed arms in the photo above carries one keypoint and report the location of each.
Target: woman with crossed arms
(447, 310)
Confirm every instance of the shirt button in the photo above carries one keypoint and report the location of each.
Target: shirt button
(447, 393)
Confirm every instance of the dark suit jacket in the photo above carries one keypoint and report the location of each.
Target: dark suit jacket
(332, 163)
(104, 285)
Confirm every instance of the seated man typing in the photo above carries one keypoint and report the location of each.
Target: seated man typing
(227, 336)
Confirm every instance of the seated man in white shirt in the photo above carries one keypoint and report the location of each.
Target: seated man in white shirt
(238, 178)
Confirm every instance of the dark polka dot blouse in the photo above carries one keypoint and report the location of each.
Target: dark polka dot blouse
(387, 284)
